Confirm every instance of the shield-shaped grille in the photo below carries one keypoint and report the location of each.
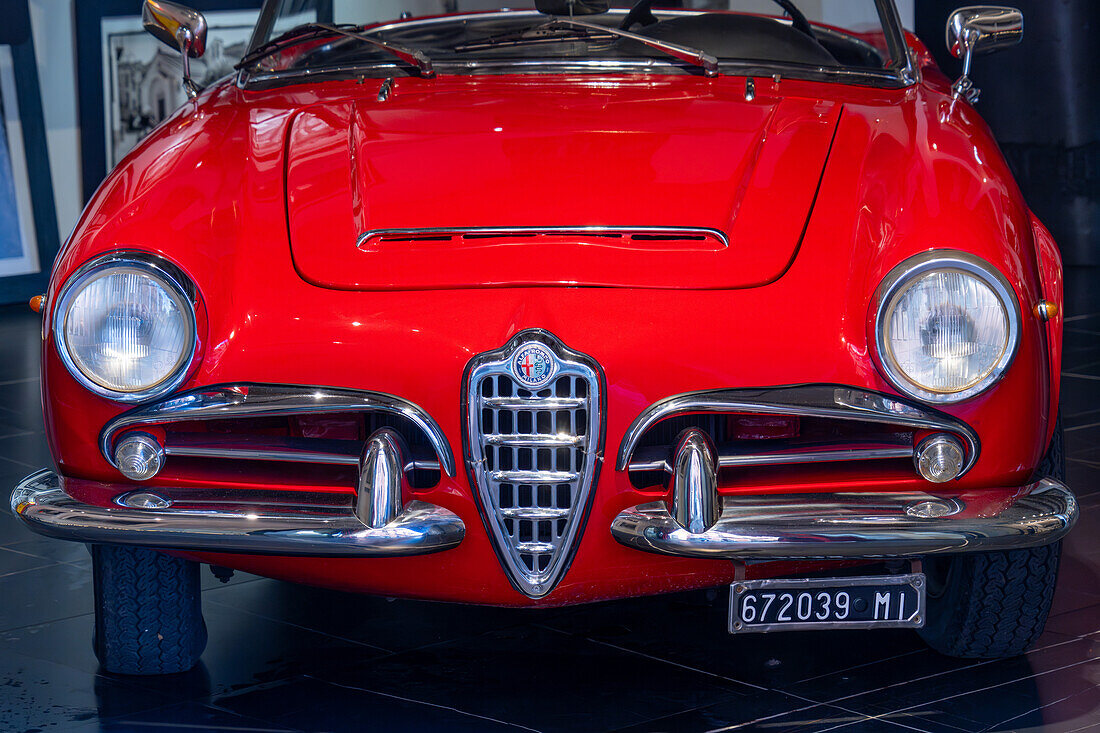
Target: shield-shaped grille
(533, 453)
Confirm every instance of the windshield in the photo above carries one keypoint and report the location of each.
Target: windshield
(852, 40)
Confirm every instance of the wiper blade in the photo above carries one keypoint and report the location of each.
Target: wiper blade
(695, 56)
(295, 35)
(411, 56)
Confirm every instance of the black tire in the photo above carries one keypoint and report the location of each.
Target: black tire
(148, 612)
(994, 605)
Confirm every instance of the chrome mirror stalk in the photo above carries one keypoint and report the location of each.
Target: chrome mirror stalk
(179, 27)
(978, 30)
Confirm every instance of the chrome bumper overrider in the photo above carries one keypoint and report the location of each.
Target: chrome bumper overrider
(319, 529)
(813, 526)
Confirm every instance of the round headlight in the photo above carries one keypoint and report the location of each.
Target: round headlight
(125, 328)
(947, 326)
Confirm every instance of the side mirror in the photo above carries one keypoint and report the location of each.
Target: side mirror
(181, 28)
(977, 30)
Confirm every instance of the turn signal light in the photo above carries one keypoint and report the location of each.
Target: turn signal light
(139, 456)
(939, 458)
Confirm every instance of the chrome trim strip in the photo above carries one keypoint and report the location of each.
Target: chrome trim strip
(485, 232)
(863, 77)
(535, 513)
(176, 283)
(822, 526)
(258, 528)
(938, 260)
(244, 399)
(831, 401)
(533, 477)
(285, 450)
(533, 403)
(546, 441)
(646, 460)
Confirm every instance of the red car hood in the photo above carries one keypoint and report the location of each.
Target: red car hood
(469, 154)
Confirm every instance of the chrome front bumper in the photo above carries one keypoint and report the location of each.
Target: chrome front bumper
(762, 527)
(827, 526)
(319, 529)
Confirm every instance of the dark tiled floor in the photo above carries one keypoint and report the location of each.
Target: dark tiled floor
(275, 663)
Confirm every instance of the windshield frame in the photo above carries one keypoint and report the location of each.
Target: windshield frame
(903, 73)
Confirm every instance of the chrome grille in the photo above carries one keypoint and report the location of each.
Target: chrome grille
(533, 455)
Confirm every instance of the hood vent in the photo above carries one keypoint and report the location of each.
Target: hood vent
(683, 238)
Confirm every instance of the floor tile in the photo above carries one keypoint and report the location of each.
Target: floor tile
(12, 561)
(308, 703)
(242, 651)
(44, 594)
(733, 716)
(525, 676)
(40, 695)
(28, 449)
(690, 630)
(191, 716)
(393, 624)
(1027, 690)
(73, 553)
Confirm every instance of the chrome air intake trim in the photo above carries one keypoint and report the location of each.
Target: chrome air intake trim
(244, 400)
(836, 402)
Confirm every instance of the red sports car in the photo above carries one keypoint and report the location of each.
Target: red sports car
(559, 305)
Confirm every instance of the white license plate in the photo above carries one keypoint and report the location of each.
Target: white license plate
(882, 601)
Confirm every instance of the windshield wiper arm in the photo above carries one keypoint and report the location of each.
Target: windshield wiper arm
(691, 55)
(411, 56)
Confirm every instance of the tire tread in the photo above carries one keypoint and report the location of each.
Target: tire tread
(148, 612)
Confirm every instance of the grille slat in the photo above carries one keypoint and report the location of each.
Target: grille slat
(527, 403)
(535, 512)
(536, 501)
(538, 440)
(534, 477)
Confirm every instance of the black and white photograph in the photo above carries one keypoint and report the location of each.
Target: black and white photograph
(141, 77)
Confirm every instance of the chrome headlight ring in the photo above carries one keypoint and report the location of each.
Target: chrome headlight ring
(175, 284)
(909, 273)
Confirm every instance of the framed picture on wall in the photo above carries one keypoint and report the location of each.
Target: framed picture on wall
(129, 82)
(28, 223)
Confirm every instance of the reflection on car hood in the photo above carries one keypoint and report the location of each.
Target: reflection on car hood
(552, 157)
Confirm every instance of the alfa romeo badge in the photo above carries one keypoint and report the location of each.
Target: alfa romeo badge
(534, 365)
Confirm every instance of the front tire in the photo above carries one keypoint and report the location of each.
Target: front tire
(993, 605)
(148, 613)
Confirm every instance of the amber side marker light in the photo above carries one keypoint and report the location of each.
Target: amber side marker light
(1045, 310)
(37, 302)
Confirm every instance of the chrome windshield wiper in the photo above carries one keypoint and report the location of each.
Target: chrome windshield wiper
(411, 56)
(695, 56)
